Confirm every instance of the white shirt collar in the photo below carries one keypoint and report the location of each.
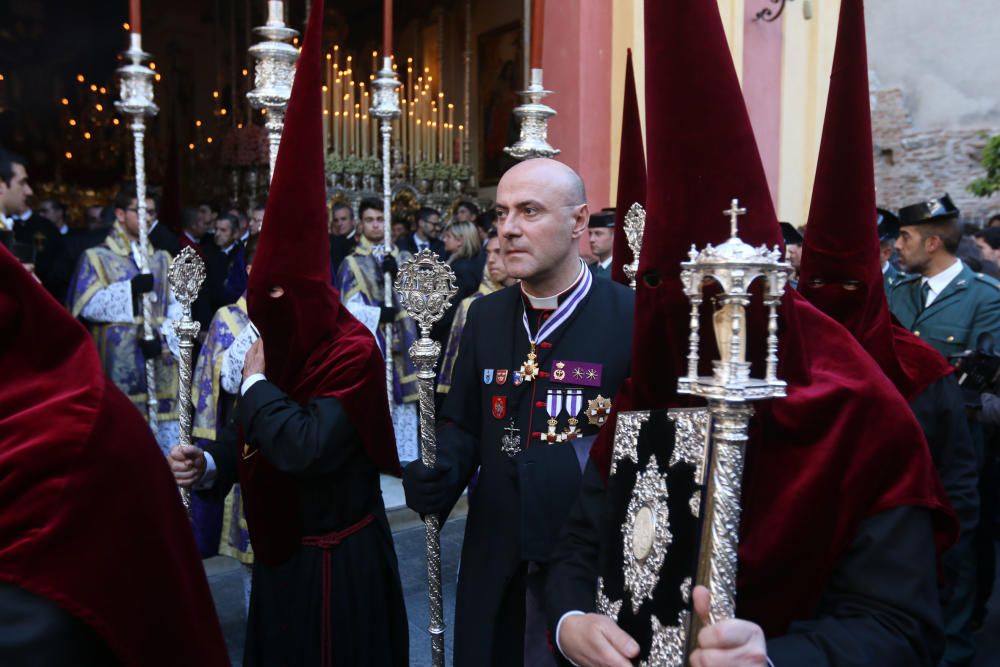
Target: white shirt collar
(940, 281)
(190, 238)
(6, 222)
(552, 302)
(606, 263)
(885, 268)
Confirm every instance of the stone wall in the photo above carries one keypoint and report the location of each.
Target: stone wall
(913, 164)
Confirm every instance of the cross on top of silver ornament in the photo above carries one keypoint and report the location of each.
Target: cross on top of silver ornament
(734, 212)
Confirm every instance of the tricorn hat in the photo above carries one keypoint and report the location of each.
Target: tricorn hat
(888, 225)
(605, 219)
(940, 209)
(789, 234)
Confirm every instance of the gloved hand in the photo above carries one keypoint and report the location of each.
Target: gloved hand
(151, 349)
(388, 315)
(141, 284)
(428, 490)
(390, 266)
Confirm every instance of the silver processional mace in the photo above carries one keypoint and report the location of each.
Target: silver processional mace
(136, 89)
(534, 116)
(273, 74)
(425, 285)
(187, 273)
(386, 109)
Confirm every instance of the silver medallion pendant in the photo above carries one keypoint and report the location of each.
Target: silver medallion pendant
(646, 534)
(510, 442)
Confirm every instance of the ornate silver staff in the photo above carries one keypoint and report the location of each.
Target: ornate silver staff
(734, 266)
(187, 273)
(534, 117)
(273, 73)
(386, 109)
(426, 285)
(136, 90)
(635, 225)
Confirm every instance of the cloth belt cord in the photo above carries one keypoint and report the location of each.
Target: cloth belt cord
(326, 543)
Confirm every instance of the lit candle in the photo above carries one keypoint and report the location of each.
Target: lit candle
(537, 32)
(135, 24)
(387, 27)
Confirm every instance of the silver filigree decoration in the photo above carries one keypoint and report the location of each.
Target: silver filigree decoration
(691, 427)
(646, 534)
(187, 273)
(667, 649)
(635, 225)
(627, 437)
(425, 285)
(534, 116)
(686, 590)
(605, 605)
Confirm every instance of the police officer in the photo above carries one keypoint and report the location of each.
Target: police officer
(537, 368)
(888, 232)
(601, 230)
(944, 302)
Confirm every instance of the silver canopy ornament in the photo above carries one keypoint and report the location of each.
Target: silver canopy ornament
(534, 116)
(425, 286)
(734, 266)
(136, 90)
(273, 73)
(187, 273)
(635, 226)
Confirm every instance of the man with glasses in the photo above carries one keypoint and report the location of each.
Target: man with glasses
(106, 293)
(425, 237)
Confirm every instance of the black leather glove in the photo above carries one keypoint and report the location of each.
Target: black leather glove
(387, 316)
(151, 349)
(141, 284)
(428, 490)
(390, 266)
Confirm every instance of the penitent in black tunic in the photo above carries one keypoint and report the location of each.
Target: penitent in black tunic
(364, 620)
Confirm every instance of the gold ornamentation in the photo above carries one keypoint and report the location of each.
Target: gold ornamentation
(559, 374)
(598, 410)
(529, 369)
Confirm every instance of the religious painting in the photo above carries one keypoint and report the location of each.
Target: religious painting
(499, 78)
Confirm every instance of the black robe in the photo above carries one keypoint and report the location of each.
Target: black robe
(880, 606)
(520, 503)
(338, 487)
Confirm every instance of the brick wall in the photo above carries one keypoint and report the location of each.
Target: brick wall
(912, 165)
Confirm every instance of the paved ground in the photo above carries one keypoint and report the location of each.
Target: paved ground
(227, 577)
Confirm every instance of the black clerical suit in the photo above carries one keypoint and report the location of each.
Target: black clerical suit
(436, 246)
(520, 501)
(338, 487)
(879, 608)
(52, 264)
(162, 238)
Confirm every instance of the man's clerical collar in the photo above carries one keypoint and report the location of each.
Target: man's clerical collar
(551, 302)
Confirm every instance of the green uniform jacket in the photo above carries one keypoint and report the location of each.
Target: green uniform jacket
(967, 307)
(891, 278)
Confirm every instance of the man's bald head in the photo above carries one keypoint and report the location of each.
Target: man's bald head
(552, 175)
(541, 215)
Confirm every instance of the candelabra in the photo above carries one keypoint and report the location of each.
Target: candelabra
(425, 286)
(386, 109)
(136, 89)
(734, 266)
(534, 117)
(273, 74)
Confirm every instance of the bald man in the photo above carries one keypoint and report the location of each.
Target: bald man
(538, 367)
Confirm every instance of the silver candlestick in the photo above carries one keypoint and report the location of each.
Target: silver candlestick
(534, 116)
(273, 74)
(136, 90)
(187, 273)
(386, 109)
(426, 285)
(733, 266)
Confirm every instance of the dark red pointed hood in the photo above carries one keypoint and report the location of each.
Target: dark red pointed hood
(313, 346)
(92, 518)
(631, 173)
(843, 445)
(842, 244)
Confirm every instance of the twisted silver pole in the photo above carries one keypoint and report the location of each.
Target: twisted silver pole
(426, 285)
(136, 89)
(187, 273)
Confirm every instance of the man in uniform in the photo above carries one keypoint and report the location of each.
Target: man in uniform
(601, 229)
(944, 302)
(793, 249)
(536, 372)
(888, 232)
(314, 431)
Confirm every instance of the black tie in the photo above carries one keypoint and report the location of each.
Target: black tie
(925, 291)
